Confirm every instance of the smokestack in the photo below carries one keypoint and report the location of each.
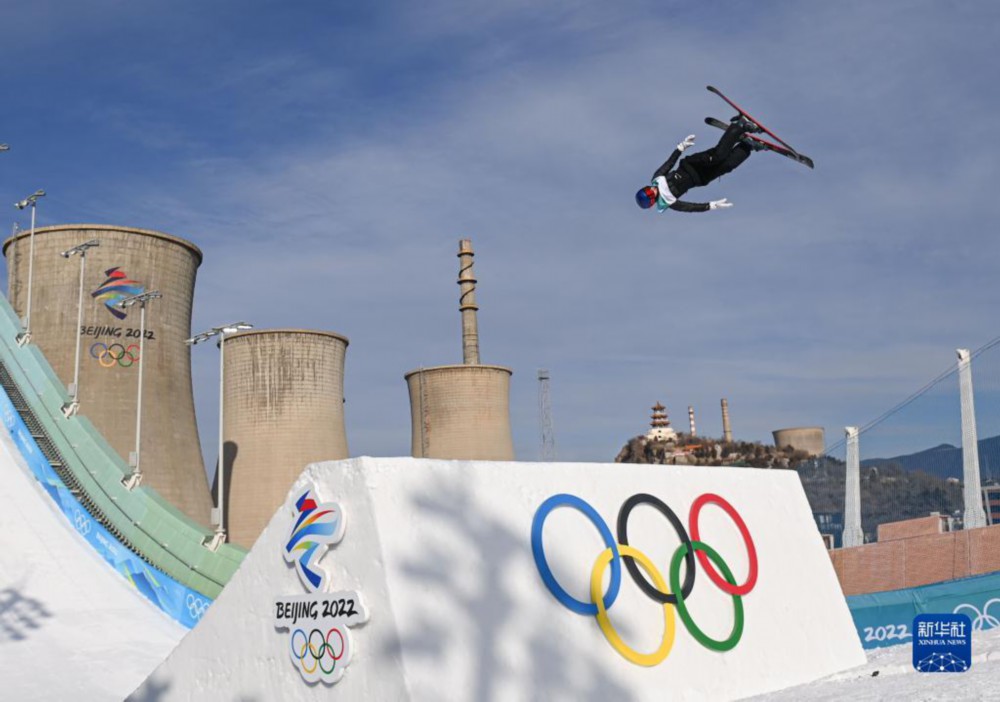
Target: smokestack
(691, 420)
(727, 432)
(462, 412)
(467, 304)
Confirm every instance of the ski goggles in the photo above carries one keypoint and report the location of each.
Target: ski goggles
(646, 197)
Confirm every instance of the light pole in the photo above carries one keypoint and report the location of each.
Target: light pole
(220, 477)
(30, 201)
(74, 389)
(132, 481)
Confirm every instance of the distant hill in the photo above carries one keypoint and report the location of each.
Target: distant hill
(892, 489)
(945, 460)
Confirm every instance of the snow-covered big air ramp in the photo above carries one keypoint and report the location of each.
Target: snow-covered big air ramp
(71, 628)
(474, 580)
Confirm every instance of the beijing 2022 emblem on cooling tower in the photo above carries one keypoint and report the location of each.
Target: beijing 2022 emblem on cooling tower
(319, 641)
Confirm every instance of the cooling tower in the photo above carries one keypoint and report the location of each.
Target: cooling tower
(127, 262)
(462, 412)
(808, 439)
(284, 408)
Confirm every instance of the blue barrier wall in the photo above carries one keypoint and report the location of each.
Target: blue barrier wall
(886, 618)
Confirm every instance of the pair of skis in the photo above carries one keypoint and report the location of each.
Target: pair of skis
(782, 147)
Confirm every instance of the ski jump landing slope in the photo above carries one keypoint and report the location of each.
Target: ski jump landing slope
(71, 628)
(394, 579)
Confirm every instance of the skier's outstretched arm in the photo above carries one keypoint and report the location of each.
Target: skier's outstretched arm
(682, 206)
(668, 165)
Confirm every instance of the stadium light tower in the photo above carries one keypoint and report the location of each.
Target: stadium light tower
(31, 201)
(74, 390)
(220, 529)
(133, 480)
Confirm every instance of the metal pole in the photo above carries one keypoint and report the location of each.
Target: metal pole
(136, 458)
(26, 337)
(220, 529)
(79, 324)
(138, 413)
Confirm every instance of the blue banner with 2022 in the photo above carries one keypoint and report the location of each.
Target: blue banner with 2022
(179, 601)
(886, 618)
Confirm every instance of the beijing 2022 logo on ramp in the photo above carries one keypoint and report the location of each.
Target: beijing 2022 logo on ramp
(319, 643)
(673, 597)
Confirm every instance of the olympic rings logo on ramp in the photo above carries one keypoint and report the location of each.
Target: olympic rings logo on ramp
(196, 606)
(322, 651)
(115, 354)
(671, 597)
(81, 522)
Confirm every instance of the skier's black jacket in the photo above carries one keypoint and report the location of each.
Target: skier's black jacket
(679, 182)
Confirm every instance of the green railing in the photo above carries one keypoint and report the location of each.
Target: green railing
(142, 520)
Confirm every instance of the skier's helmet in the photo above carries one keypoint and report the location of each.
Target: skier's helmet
(646, 197)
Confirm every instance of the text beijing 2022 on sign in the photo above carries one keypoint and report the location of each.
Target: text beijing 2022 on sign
(673, 597)
(319, 641)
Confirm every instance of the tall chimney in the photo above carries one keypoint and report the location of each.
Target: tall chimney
(462, 412)
(467, 304)
(727, 432)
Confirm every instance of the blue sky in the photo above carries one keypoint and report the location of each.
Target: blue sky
(346, 148)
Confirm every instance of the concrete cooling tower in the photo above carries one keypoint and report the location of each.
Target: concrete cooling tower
(462, 411)
(808, 439)
(283, 408)
(127, 262)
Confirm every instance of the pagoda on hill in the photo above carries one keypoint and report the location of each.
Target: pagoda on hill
(660, 429)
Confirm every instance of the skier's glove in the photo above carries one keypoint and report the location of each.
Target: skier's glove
(688, 141)
(716, 204)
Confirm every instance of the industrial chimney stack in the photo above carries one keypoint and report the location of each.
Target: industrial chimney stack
(727, 432)
(462, 412)
(467, 304)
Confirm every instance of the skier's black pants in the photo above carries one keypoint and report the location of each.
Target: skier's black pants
(705, 166)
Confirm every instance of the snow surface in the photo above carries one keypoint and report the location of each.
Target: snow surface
(71, 627)
(889, 675)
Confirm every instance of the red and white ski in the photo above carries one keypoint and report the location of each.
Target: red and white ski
(768, 145)
(756, 121)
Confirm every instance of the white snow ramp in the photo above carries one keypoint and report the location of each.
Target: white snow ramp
(512, 581)
(71, 628)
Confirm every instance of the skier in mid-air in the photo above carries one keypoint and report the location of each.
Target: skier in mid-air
(699, 169)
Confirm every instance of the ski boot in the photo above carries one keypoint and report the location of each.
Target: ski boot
(748, 125)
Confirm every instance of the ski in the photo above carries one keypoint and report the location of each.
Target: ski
(752, 119)
(770, 146)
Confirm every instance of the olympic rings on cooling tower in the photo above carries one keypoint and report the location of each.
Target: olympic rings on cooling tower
(108, 356)
(669, 592)
(317, 654)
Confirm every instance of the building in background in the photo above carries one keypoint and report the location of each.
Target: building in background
(283, 409)
(659, 426)
(128, 261)
(991, 503)
(462, 411)
(831, 526)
